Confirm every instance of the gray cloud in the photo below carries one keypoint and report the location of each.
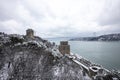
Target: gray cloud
(8, 9)
(50, 19)
(111, 13)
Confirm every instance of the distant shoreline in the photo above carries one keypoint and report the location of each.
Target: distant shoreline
(106, 38)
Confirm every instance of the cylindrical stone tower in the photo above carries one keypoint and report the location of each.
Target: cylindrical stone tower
(64, 48)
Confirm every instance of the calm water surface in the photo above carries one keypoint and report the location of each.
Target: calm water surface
(104, 53)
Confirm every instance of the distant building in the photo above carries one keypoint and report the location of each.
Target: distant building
(30, 33)
(64, 48)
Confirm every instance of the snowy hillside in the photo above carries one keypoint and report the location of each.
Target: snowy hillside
(22, 58)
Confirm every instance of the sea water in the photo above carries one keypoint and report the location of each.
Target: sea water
(106, 54)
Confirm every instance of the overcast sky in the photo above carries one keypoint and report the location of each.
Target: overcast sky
(60, 18)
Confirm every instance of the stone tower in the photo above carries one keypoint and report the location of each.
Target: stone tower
(30, 33)
(64, 48)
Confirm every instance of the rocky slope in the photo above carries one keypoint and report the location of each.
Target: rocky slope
(22, 58)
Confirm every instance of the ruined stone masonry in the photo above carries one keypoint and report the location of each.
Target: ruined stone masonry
(64, 48)
(30, 33)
